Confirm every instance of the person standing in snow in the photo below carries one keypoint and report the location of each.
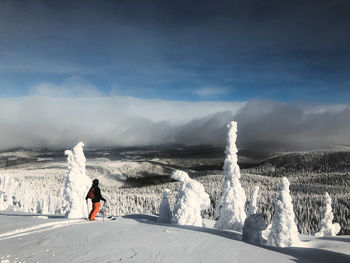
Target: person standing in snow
(95, 195)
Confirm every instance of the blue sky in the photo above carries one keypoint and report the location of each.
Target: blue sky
(180, 50)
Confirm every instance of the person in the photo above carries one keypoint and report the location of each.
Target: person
(95, 195)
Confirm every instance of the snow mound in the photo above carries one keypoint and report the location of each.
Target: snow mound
(191, 200)
(252, 229)
(326, 226)
(77, 183)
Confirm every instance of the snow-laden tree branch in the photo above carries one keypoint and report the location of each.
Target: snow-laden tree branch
(230, 210)
(253, 202)
(326, 226)
(77, 183)
(191, 200)
(284, 232)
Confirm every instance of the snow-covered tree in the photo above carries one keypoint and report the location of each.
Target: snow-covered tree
(253, 203)
(284, 232)
(6, 192)
(326, 226)
(191, 200)
(254, 225)
(77, 183)
(230, 210)
(164, 209)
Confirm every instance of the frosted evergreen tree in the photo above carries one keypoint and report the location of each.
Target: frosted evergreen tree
(164, 208)
(253, 204)
(284, 232)
(230, 210)
(191, 200)
(7, 193)
(77, 183)
(326, 226)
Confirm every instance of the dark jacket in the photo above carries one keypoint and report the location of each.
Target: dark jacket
(98, 196)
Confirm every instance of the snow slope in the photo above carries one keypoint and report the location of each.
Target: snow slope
(139, 238)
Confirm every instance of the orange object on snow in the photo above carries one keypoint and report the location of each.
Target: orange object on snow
(94, 211)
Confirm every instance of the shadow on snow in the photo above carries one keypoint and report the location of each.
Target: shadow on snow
(299, 254)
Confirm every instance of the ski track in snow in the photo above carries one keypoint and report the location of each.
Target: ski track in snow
(40, 228)
(139, 238)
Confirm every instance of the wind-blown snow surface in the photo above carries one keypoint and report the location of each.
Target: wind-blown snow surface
(26, 238)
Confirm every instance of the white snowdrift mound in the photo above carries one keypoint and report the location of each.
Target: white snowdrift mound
(139, 238)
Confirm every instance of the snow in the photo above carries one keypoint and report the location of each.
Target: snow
(41, 159)
(165, 214)
(252, 229)
(19, 154)
(231, 208)
(37, 187)
(253, 204)
(45, 237)
(284, 232)
(326, 226)
(139, 238)
(24, 193)
(191, 200)
(77, 183)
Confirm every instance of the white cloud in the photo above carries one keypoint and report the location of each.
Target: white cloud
(105, 121)
(71, 87)
(210, 91)
(60, 115)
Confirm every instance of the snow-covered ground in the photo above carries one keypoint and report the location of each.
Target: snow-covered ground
(139, 238)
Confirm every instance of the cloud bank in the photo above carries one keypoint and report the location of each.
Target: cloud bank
(292, 126)
(60, 115)
(42, 121)
(48, 121)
